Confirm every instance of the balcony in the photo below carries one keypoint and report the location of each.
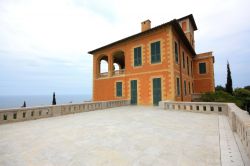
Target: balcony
(118, 72)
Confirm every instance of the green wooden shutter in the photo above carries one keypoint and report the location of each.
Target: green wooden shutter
(185, 87)
(176, 52)
(133, 84)
(202, 68)
(156, 90)
(155, 52)
(118, 89)
(178, 86)
(183, 59)
(137, 56)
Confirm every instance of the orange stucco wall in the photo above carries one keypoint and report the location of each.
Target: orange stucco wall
(204, 82)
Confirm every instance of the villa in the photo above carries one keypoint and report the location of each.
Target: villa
(156, 64)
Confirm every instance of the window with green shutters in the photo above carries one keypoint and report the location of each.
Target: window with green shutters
(118, 89)
(137, 56)
(189, 88)
(183, 59)
(156, 52)
(178, 86)
(185, 87)
(176, 52)
(202, 68)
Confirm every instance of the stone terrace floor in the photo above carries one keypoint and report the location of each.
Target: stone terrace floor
(130, 135)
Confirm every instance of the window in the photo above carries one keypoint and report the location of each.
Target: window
(118, 89)
(191, 64)
(185, 88)
(178, 86)
(184, 26)
(156, 52)
(187, 65)
(193, 87)
(189, 88)
(176, 52)
(24, 114)
(32, 113)
(183, 59)
(137, 56)
(202, 68)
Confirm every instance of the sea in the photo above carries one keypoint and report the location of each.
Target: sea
(40, 100)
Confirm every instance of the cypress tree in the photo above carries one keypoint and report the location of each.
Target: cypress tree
(24, 104)
(54, 99)
(229, 84)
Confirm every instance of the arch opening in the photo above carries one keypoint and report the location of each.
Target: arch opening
(118, 63)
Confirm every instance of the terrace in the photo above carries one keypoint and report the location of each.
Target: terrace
(114, 133)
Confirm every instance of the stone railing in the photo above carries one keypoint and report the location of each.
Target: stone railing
(31, 113)
(118, 72)
(203, 107)
(239, 119)
(105, 74)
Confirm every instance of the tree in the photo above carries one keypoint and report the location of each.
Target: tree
(229, 84)
(247, 87)
(24, 104)
(54, 99)
(219, 88)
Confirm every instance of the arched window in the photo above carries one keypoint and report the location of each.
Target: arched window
(118, 63)
(103, 66)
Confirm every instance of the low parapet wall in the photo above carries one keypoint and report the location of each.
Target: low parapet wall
(31, 113)
(203, 107)
(239, 119)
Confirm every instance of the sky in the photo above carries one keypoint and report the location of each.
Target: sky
(44, 44)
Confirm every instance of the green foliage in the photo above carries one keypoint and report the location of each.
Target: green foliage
(221, 96)
(220, 88)
(244, 96)
(247, 87)
(229, 84)
(241, 97)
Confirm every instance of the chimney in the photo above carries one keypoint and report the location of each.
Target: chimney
(145, 25)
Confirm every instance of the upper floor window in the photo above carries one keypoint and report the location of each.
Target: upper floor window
(189, 88)
(156, 52)
(185, 87)
(137, 56)
(176, 52)
(202, 68)
(191, 64)
(183, 59)
(178, 90)
(184, 26)
(187, 65)
(118, 89)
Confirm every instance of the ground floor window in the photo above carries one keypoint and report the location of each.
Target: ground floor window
(178, 91)
(118, 89)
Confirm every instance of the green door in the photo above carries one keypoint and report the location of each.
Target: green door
(133, 84)
(156, 91)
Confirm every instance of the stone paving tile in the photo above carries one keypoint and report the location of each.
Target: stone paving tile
(118, 136)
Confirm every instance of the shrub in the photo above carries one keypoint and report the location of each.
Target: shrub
(221, 96)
